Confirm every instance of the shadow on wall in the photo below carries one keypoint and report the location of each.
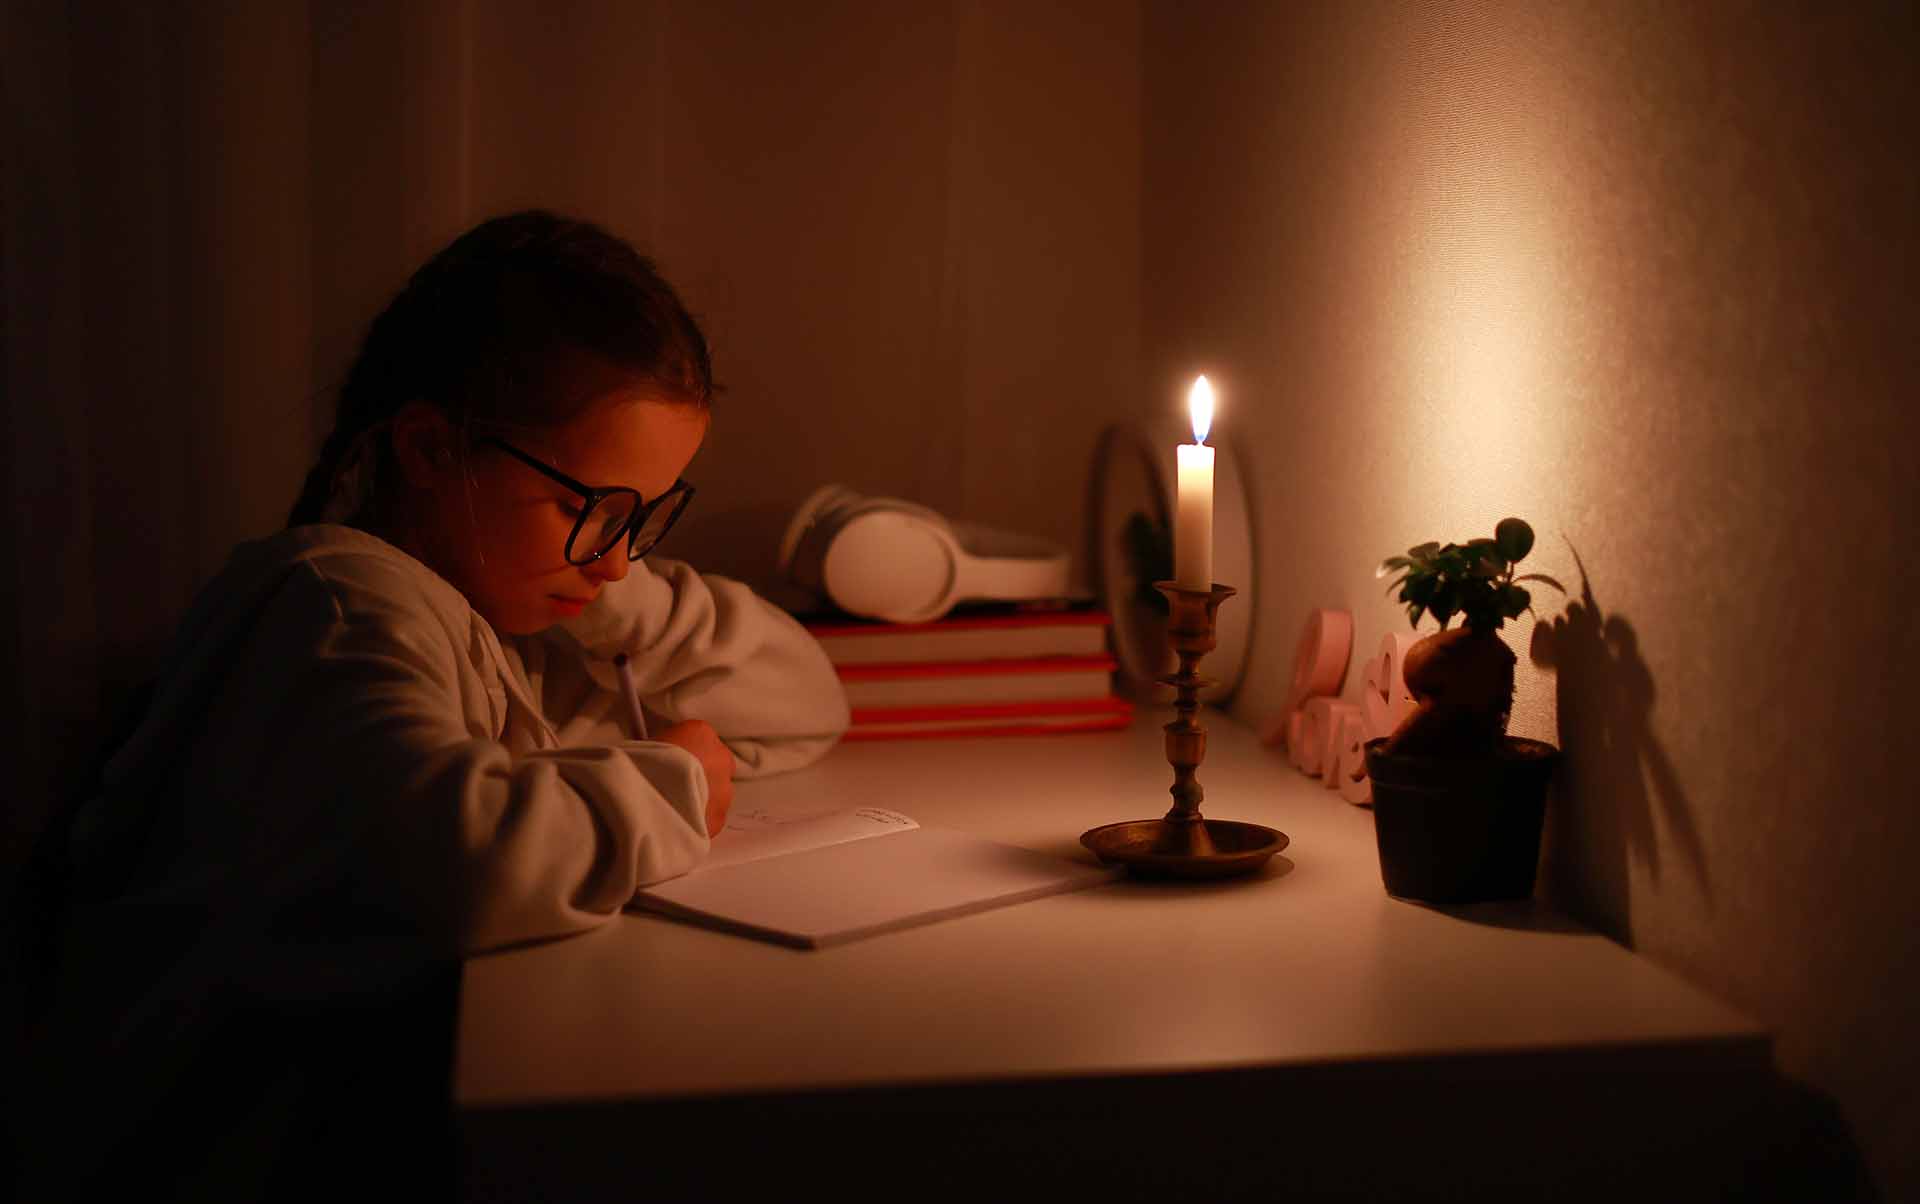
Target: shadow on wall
(1813, 1154)
(1614, 774)
(742, 542)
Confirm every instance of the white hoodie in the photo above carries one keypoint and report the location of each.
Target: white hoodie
(345, 773)
(332, 705)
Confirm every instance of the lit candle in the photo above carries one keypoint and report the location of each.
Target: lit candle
(1193, 516)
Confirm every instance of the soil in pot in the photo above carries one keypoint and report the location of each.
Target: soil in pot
(1453, 830)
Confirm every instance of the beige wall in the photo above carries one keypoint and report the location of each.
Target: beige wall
(911, 231)
(1643, 275)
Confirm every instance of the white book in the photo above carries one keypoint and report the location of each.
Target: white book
(819, 879)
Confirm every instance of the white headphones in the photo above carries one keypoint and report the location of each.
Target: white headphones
(889, 559)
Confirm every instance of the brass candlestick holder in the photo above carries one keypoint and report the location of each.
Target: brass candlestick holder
(1183, 844)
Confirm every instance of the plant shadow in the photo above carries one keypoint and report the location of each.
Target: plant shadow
(1618, 794)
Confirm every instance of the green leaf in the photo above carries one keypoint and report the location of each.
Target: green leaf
(1395, 581)
(1424, 552)
(1149, 551)
(1515, 538)
(1390, 564)
(1545, 578)
(1515, 601)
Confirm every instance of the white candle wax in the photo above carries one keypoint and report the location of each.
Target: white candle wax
(1193, 519)
(1193, 515)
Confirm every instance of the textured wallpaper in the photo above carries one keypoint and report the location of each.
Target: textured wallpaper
(1643, 275)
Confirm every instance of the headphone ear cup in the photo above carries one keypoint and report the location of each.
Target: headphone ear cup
(891, 564)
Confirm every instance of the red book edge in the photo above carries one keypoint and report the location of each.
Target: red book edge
(1039, 618)
(1010, 729)
(1042, 664)
(1102, 708)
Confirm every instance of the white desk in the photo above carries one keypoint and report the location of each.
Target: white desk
(1303, 1008)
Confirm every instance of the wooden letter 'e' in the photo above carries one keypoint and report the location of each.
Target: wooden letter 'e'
(1349, 773)
(1386, 701)
(1319, 669)
(1383, 704)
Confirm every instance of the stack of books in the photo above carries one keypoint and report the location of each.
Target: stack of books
(986, 670)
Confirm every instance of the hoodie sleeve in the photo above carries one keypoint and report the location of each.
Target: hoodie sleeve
(334, 747)
(700, 647)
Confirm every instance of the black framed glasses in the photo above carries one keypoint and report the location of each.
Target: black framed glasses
(608, 514)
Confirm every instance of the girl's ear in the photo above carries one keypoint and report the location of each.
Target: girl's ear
(423, 442)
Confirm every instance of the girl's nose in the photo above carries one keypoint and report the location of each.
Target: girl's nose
(611, 567)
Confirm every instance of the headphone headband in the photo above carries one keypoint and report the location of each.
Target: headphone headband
(895, 560)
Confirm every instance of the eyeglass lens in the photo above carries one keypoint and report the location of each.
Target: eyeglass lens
(658, 520)
(603, 525)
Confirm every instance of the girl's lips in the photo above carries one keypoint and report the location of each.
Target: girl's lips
(570, 604)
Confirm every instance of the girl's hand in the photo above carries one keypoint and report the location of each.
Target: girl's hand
(698, 737)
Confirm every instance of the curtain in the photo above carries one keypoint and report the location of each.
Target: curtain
(912, 234)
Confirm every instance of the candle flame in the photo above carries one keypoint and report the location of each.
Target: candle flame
(1200, 408)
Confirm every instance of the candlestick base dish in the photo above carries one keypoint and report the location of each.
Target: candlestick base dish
(1182, 844)
(1199, 848)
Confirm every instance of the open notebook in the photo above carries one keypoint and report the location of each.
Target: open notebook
(822, 878)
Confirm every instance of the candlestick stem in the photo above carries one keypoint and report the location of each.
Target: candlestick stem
(1183, 844)
(1190, 629)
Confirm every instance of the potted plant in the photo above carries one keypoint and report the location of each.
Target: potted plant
(1457, 803)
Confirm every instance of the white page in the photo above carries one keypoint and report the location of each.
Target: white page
(755, 833)
(826, 895)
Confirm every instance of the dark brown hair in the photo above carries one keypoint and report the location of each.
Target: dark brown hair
(487, 328)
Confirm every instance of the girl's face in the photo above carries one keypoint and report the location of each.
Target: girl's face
(497, 529)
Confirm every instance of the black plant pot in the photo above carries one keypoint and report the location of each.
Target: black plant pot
(1461, 831)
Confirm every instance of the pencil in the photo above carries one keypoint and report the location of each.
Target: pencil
(632, 696)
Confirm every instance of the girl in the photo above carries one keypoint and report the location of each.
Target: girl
(393, 735)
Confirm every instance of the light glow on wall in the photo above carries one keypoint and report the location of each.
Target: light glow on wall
(1481, 305)
(1477, 167)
